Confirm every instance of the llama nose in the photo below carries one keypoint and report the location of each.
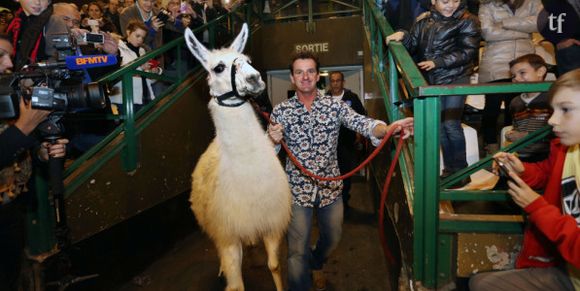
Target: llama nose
(253, 79)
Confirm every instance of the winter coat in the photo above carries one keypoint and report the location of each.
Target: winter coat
(129, 56)
(507, 36)
(550, 236)
(451, 43)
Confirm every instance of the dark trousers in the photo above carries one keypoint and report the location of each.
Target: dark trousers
(12, 234)
(451, 132)
(491, 113)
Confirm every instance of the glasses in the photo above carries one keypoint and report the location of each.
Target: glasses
(310, 72)
(75, 22)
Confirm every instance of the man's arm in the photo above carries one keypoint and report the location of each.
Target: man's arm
(16, 139)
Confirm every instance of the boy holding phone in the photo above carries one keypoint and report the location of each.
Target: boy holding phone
(550, 255)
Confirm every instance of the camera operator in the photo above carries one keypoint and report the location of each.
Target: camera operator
(16, 155)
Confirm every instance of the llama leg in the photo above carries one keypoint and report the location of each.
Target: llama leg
(231, 265)
(272, 244)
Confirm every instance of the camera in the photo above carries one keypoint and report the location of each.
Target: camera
(52, 85)
(91, 38)
(163, 15)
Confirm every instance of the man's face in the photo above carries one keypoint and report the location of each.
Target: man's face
(146, 5)
(69, 14)
(5, 53)
(304, 75)
(524, 72)
(173, 6)
(113, 6)
(34, 7)
(336, 84)
(566, 116)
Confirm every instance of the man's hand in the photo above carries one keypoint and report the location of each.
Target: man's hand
(156, 23)
(56, 150)
(404, 126)
(29, 118)
(276, 133)
(110, 44)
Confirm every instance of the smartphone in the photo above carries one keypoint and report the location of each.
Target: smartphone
(94, 38)
(92, 22)
(163, 15)
(503, 170)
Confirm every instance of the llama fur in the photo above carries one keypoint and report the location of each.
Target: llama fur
(240, 193)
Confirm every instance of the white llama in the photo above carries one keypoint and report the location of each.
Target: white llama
(240, 193)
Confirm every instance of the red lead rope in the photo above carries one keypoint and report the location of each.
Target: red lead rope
(384, 192)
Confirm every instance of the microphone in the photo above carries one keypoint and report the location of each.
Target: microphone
(89, 61)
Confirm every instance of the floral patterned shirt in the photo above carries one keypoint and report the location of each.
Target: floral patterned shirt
(313, 137)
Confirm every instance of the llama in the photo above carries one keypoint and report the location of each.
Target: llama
(240, 193)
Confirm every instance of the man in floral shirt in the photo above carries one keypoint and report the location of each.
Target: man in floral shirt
(310, 124)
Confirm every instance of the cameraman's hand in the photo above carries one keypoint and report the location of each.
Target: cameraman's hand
(156, 23)
(57, 150)
(29, 118)
(110, 45)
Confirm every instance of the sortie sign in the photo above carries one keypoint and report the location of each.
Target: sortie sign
(320, 47)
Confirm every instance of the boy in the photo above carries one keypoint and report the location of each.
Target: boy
(445, 42)
(530, 111)
(550, 255)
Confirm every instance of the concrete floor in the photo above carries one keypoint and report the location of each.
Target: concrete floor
(163, 249)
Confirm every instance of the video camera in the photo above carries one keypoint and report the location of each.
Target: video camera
(55, 85)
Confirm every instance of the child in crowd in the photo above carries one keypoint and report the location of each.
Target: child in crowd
(446, 42)
(130, 49)
(530, 111)
(506, 27)
(550, 255)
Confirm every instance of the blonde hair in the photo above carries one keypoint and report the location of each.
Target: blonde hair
(569, 80)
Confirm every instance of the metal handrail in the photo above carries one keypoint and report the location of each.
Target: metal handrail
(394, 62)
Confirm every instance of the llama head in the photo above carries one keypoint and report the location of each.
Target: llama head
(223, 64)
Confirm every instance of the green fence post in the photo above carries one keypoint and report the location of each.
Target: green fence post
(426, 203)
(130, 150)
(41, 221)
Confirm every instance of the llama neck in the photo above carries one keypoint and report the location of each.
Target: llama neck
(237, 128)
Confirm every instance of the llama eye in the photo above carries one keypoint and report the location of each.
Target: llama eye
(219, 68)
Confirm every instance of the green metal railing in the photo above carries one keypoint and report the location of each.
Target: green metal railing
(432, 242)
(42, 220)
(129, 129)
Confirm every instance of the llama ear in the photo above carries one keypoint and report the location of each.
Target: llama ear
(240, 41)
(197, 49)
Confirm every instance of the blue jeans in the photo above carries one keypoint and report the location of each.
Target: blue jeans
(452, 136)
(302, 259)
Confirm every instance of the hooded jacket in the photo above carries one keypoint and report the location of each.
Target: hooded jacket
(451, 43)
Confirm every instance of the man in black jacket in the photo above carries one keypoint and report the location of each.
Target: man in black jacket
(347, 139)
